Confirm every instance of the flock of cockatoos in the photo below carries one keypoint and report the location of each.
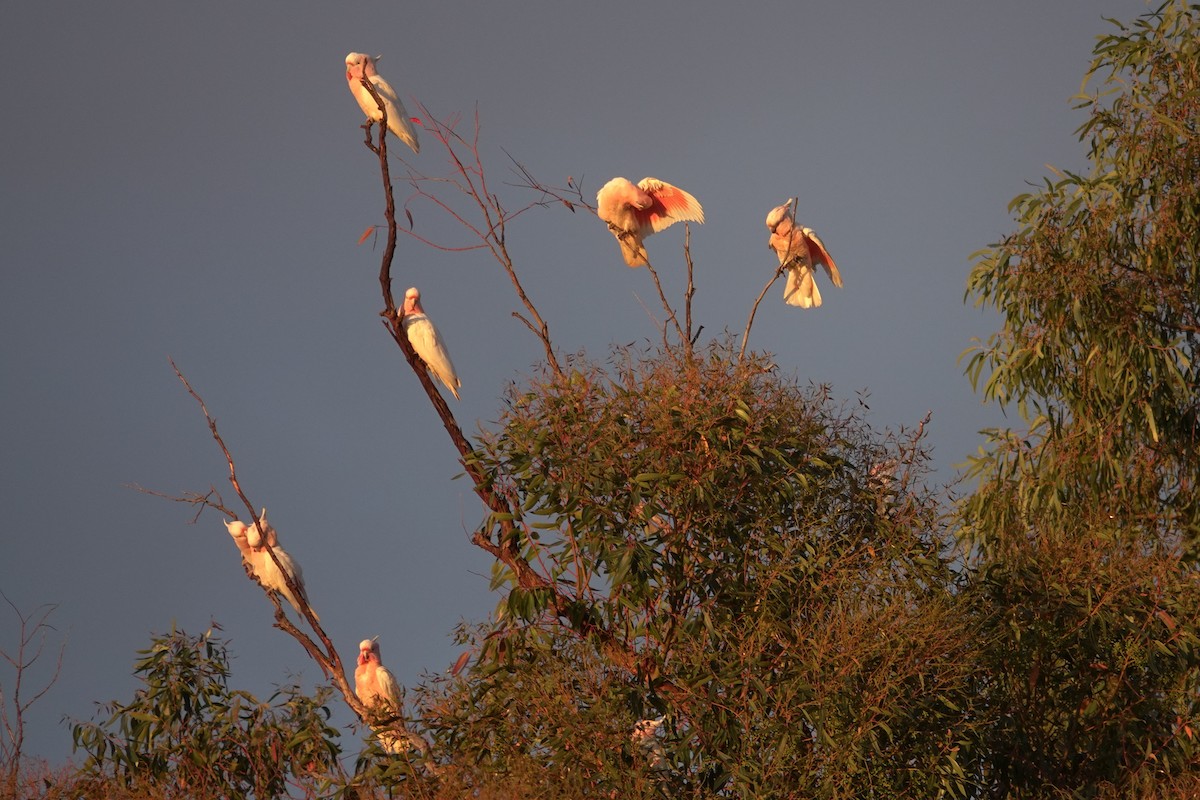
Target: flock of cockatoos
(633, 211)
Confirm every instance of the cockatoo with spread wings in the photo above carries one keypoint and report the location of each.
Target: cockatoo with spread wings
(635, 211)
(799, 250)
(428, 343)
(377, 688)
(359, 65)
(250, 541)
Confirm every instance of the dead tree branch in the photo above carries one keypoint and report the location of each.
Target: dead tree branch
(33, 628)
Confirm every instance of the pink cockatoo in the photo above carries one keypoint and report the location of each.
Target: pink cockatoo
(799, 250)
(250, 541)
(644, 737)
(378, 690)
(373, 682)
(635, 211)
(359, 65)
(428, 343)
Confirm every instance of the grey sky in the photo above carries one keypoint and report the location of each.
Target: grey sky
(189, 180)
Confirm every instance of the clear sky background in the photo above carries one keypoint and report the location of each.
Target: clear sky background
(189, 180)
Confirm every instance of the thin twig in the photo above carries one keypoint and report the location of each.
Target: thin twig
(691, 286)
(754, 310)
(471, 180)
(666, 305)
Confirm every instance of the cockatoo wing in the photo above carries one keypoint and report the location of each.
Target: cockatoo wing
(670, 205)
(272, 578)
(821, 256)
(428, 343)
(398, 121)
(389, 689)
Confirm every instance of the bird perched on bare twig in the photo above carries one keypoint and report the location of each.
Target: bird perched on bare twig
(426, 340)
(635, 211)
(250, 541)
(799, 250)
(360, 65)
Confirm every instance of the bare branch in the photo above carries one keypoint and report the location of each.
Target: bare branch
(666, 305)
(754, 310)
(691, 286)
(471, 181)
(33, 626)
(389, 248)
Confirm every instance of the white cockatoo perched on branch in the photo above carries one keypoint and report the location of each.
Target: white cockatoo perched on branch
(644, 737)
(359, 65)
(378, 690)
(373, 682)
(635, 211)
(250, 541)
(426, 340)
(799, 250)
